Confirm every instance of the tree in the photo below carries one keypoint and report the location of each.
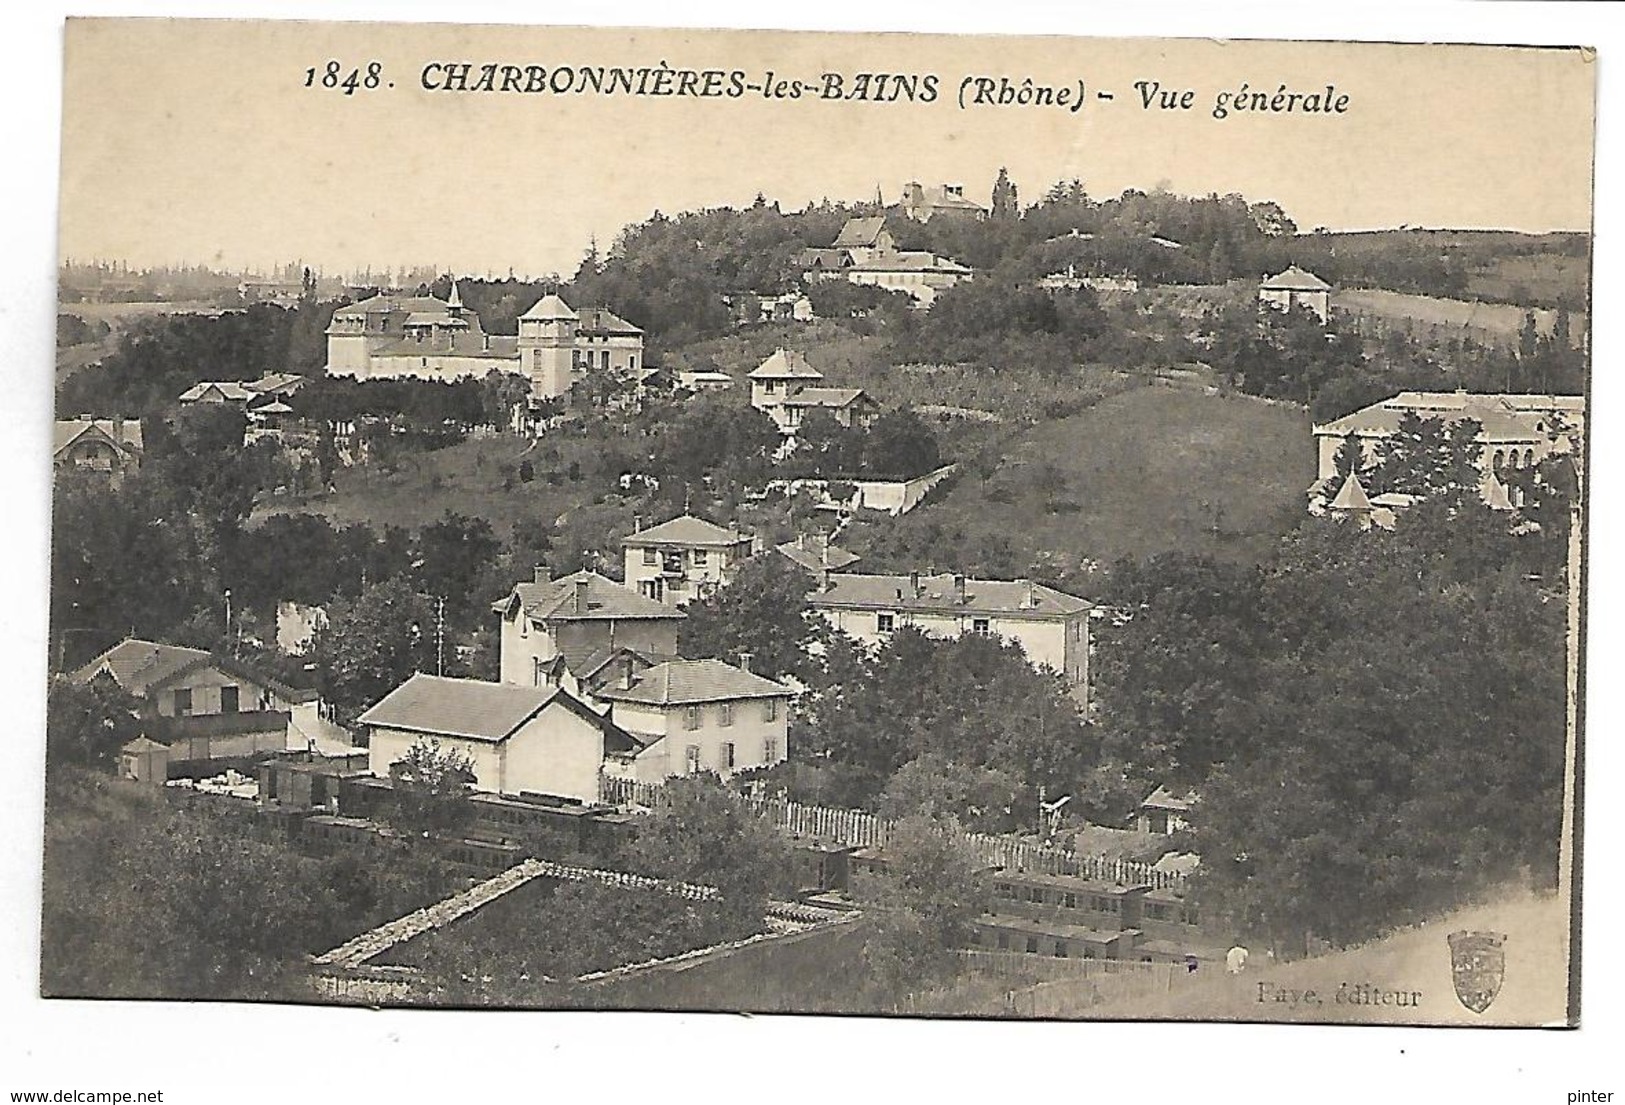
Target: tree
(701, 832)
(762, 611)
(984, 798)
(431, 789)
(899, 445)
(1005, 205)
(87, 723)
(372, 643)
(924, 905)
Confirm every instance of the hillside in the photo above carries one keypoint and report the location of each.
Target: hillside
(1144, 472)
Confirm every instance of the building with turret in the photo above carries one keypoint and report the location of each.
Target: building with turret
(391, 337)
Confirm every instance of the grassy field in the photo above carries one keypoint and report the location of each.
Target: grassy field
(1148, 471)
(468, 478)
(1485, 321)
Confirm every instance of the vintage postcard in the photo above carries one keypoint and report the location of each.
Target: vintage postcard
(997, 527)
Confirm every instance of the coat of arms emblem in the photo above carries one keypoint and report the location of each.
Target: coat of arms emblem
(1477, 962)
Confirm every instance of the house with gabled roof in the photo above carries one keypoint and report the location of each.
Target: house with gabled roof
(1295, 287)
(684, 558)
(104, 446)
(573, 620)
(700, 715)
(208, 706)
(520, 740)
(864, 252)
(786, 387)
(925, 202)
(1052, 627)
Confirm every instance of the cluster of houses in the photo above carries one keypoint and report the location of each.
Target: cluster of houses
(865, 253)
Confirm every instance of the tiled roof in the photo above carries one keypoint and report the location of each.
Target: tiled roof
(1164, 799)
(860, 232)
(232, 391)
(688, 682)
(911, 261)
(379, 304)
(684, 530)
(786, 364)
(1352, 496)
(816, 559)
(939, 594)
(825, 397)
(555, 600)
(67, 431)
(137, 665)
(550, 308)
(432, 318)
(824, 258)
(601, 320)
(1503, 417)
(276, 382)
(1294, 279)
(459, 707)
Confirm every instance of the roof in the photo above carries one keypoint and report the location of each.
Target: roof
(786, 364)
(137, 665)
(67, 431)
(550, 308)
(826, 257)
(555, 600)
(1502, 417)
(1164, 799)
(939, 594)
(141, 666)
(232, 391)
(1351, 497)
(687, 682)
(911, 261)
(1294, 279)
(685, 529)
(601, 320)
(860, 232)
(825, 397)
(476, 710)
(432, 318)
(816, 559)
(276, 381)
(144, 744)
(384, 304)
(277, 407)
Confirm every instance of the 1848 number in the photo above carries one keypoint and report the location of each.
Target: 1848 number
(332, 75)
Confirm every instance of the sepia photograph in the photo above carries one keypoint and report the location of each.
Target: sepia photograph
(916, 526)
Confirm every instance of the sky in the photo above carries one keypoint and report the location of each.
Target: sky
(198, 142)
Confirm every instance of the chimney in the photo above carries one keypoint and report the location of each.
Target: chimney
(637, 523)
(744, 661)
(581, 596)
(1032, 594)
(914, 584)
(801, 540)
(540, 573)
(117, 432)
(627, 674)
(959, 588)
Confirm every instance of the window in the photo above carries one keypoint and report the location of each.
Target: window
(770, 709)
(1004, 942)
(701, 557)
(727, 755)
(1032, 945)
(183, 702)
(691, 717)
(691, 758)
(1035, 894)
(725, 714)
(536, 671)
(979, 625)
(651, 558)
(885, 622)
(1060, 949)
(1069, 900)
(229, 700)
(770, 751)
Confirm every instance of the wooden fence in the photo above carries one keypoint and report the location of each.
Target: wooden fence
(861, 829)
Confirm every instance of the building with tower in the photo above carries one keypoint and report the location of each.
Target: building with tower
(391, 337)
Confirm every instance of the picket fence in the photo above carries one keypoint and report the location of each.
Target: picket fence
(861, 829)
